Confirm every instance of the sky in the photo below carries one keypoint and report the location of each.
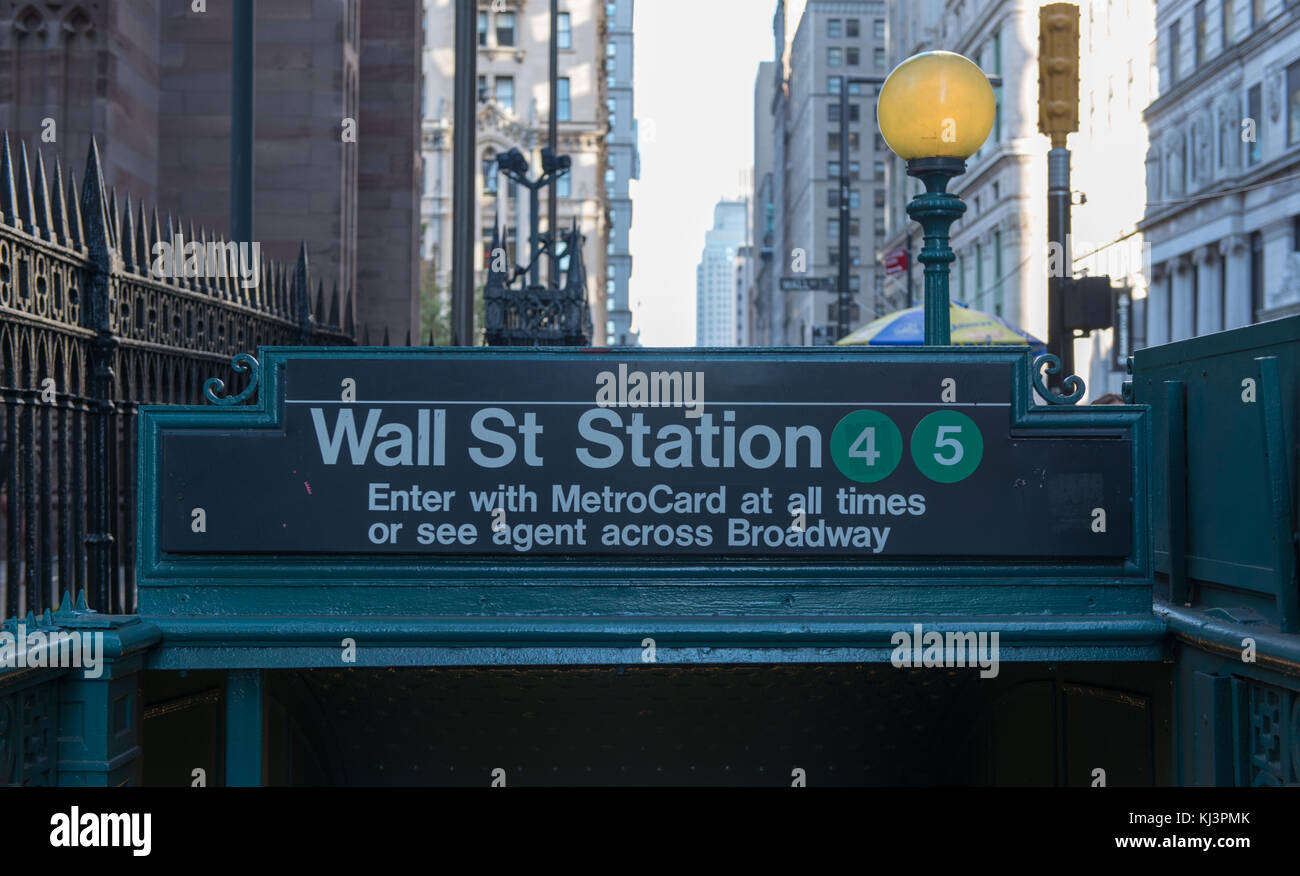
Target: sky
(696, 61)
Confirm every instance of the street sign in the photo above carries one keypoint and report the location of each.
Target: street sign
(895, 262)
(807, 284)
(676, 456)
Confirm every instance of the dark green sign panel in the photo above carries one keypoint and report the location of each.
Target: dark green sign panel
(673, 456)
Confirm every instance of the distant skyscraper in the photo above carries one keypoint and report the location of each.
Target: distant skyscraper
(715, 277)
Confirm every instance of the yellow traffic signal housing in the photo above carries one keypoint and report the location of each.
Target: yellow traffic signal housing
(1058, 71)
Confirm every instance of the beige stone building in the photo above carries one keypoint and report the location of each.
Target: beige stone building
(596, 129)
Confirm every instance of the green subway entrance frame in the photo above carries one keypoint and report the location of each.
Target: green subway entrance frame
(255, 612)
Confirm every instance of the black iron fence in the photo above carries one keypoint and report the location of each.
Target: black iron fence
(88, 332)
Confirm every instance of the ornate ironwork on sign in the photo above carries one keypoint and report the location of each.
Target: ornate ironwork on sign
(535, 315)
(214, 386)
(1073, 384)
(1274, 735)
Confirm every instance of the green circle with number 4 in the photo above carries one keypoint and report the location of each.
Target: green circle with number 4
(866, 446)
(947, 446)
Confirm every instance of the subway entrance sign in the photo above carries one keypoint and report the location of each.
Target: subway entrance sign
(681, 457)
(587, 488)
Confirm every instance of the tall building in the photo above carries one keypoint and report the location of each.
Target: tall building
(715, 277)
(1000, 243)
(1223, 212)
(596, 129)
(151, 81)
(622, 163)
(765, 268)
(830, 43)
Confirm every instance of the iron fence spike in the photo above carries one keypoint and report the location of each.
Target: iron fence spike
(42, 221)
(143, 249)
(128, 243)
(59, 207)
(74, 212)
(334, 307)
(94, 209)
(8, 196)
(26, 203)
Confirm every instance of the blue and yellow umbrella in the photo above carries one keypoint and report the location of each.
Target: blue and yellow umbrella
(970, 328)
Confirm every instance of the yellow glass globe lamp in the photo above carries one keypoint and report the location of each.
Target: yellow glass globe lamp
(936, 105)
(935, 110)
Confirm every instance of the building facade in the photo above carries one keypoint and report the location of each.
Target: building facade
(716, 304)
(798, 177)
(336, 125)
(596, 129)
(1223, 212)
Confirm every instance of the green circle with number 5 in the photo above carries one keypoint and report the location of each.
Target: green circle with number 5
(866, 446)
(947, 446)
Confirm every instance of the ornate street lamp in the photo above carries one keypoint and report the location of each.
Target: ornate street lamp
(935, 110)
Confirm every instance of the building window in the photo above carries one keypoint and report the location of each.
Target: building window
(1256, 13)
(1256, 276)
(1293, 104)
(1175, 47)
(562, 187)
(835, 28)
(879, 58)
(834, 57)
(1228, 23)
(997, 89)
(609, 179)
(482, 89)
(879, 171)
(610, 50)
(979, 273)
(611, 8)
(562, 106)
(833, 169)
(505, 28)
(855, 198)
(851, 28)
(879, 28)
(833, 228)
(1198, 22)
(1295, 233)
(853, 141)
(851, 57)
(1255, 111)
(832, 197)
(997, 273)
(482, 28)
(834, 84)
(563, 31)
(833, 141)
(505, 93)
(489, 173)
(879, 197)
(854, 170)
(855, 88)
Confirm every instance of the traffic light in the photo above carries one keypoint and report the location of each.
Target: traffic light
(1058, 71)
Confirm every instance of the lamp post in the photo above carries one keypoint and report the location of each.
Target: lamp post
(515, 166)
(935, 110)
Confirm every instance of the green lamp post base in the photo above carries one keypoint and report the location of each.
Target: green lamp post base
(936, 209)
